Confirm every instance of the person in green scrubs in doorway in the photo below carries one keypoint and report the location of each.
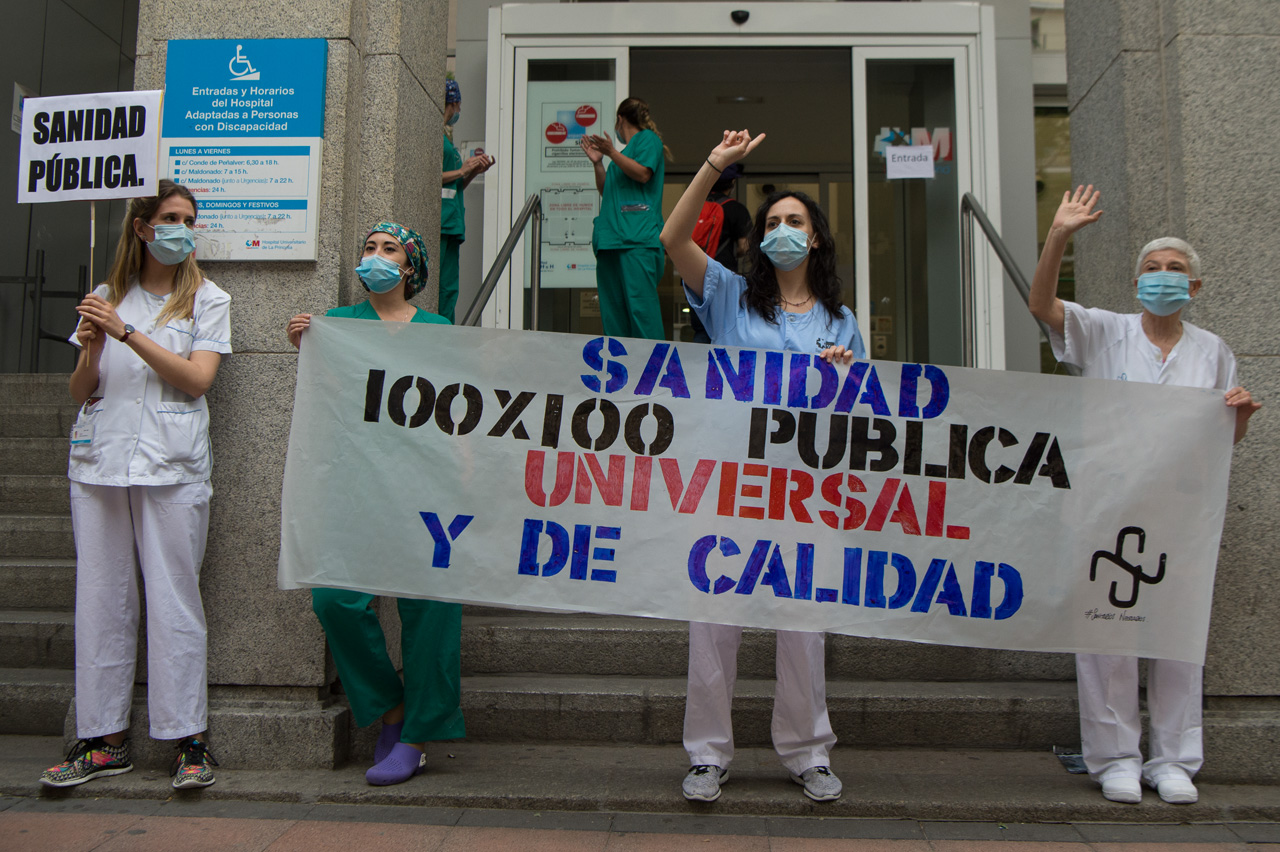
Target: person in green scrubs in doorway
(427, 704)
(629, 258)
(453, 219)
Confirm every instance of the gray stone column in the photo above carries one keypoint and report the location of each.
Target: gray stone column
(1171, 105)
(268, 676)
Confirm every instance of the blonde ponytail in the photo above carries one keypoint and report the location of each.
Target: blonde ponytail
(636, 112)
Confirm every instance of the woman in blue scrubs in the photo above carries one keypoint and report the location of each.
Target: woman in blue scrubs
(790, 299)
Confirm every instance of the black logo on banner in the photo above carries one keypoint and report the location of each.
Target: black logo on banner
(1135, 571)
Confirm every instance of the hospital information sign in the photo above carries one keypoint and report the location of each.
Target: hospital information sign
(243, 127)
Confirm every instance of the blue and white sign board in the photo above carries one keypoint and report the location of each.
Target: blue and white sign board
(243, 128)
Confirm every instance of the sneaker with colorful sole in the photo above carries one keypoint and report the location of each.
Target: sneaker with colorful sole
(193, 767)
(89, 759)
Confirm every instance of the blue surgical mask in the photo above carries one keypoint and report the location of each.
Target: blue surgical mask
(378, 274)
(172, 243)
(1164, 293)
(453, 119)
(785, 246)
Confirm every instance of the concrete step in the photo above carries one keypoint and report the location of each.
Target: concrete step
(37, 421)
(246, 730)
(536, 707)
(28, 583)
(28, 456)
(35, 535)
(35, 701)
(506, 642)
(44, 493)
(34, 389)
(985, 797)
(37, 639)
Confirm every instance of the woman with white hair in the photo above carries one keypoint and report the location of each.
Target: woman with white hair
(1156, 346)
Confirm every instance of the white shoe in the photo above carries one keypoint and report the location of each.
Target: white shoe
(702, 784)
(820, 783)
(1177, 791)
(1122, 789)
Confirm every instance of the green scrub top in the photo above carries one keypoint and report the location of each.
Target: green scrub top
(631, 212)
(364, 310)
(453, 218)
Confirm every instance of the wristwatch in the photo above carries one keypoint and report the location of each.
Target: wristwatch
(128, 330)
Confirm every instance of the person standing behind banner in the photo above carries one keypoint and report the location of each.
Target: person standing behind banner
(1155, 346)
(453, 215)
(427, 704)
(624, 237)
(151, 339)
(789, 299)
(731, 242)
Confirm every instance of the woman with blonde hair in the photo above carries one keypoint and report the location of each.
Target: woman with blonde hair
(151, 339)
(624, 237)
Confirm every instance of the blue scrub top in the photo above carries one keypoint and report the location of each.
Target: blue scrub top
(731, 323)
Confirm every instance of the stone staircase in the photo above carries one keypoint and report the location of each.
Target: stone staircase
(37, 555)
(528, 677)
(538, 678)
(608, 679)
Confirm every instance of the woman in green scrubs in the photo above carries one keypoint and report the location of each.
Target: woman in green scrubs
(629, 258)
(457, 176)
(427, 704)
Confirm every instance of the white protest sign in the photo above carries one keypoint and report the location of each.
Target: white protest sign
(767, 489)
(77, 147)
(908, 161)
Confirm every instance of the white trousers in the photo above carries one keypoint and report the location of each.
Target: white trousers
(1110, 726)
(163, 529)
(801, 729)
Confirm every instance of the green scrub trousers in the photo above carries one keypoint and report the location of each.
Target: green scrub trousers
(624, 237)
(450, 247)
(430, 640)
(626, 283)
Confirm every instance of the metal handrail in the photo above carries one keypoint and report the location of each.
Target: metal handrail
(970, 209)
(532, 212)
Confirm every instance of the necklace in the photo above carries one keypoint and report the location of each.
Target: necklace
(806, 300)
(412, 312)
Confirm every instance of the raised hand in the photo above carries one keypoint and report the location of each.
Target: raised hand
(603, 144)
(593, 154)
(736, 145)
(479, 164)
(1076, 210)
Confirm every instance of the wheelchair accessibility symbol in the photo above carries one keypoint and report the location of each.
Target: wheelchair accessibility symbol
(241, 68)
(1135, 571)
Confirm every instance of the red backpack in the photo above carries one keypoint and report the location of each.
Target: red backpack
(710, 225)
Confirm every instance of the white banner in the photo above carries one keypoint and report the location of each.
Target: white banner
(767, 489)
(89, 147)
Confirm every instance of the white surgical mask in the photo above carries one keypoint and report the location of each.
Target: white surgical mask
(1164, 292)
(172, 244)
(785, 246)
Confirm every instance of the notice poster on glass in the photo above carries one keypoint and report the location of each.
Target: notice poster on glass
(560, 114)
(243, 127)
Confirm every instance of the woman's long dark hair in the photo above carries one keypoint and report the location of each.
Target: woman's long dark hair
(762, 282)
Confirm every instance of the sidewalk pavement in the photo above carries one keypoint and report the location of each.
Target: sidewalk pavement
(194, 824)
(559, 797)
